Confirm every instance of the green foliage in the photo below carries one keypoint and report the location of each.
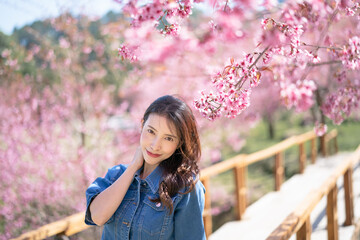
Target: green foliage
(348, 134)
(5, 41)
(111, 17)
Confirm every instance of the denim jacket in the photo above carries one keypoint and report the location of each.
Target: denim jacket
(138, 218)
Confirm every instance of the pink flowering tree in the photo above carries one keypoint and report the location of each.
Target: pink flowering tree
(56, 134)
(311, 63)
(235, 62)
(56, 121)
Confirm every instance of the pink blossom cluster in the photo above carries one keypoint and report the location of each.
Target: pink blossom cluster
(180, 8)
(221, 200)
(350, 55)
(126, 52)
(227, 26)
(64, 43)
(157, 10)
(340, 104)
(209, 105)
(40, 135)
(230, 99)
(277, 34)
(350, 10)
(9, 60)
(171, 30)
(320, 129)
(298, 95)
(149, 12)
(229, 104)
(53, 129)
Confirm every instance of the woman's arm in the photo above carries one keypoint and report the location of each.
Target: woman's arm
(105, 204)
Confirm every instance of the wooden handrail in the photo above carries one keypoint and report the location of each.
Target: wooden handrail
(67, 226)
(297, 219)
(221, 167)
(75, 223)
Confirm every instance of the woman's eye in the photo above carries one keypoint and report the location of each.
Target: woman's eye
(150, 131)
(169, 139)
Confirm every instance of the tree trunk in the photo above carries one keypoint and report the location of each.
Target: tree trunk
(271, 127)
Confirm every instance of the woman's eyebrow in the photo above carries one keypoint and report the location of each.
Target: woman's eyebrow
(170, 135)
(152, 128)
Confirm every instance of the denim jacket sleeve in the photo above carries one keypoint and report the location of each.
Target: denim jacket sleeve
(188, 215)
(99, 185)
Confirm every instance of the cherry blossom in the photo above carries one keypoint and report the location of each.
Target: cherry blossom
(320, 129)
(298, 95)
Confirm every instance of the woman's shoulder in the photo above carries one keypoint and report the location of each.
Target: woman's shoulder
(195, 197)
(116, 171)
(197, 188)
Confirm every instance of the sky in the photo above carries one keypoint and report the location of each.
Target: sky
(17, 13)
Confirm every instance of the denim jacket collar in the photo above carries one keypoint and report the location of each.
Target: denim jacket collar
(153, 180)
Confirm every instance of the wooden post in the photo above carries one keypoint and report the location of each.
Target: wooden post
(240, 189)
(349, 198)
(332, 218)
(240, 172)
(279, 170)
(302, 157)
(323, 145)
(304, 232)
(313, 151)
(207, 210)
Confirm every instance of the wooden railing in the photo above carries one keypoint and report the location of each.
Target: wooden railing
(299, 220)
(238, 164)
(66, 227)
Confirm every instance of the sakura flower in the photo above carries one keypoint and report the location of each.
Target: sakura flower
(298, 95)
(6, 53)
(339, 105)
(350, 55)
(127, 53)
(320, 129)
(64, 43)
(171, 30)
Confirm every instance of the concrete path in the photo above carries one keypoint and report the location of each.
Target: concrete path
(263, 216)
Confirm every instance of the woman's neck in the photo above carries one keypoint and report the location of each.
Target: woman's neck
(147, 170)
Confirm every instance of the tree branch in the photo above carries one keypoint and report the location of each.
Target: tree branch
(324, 63)
(226, 5)
(310, 45)
(251, 66)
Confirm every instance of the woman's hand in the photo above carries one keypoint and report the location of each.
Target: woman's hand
(138, 159)
(105, 204)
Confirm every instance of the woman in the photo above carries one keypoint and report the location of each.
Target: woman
(158, 195)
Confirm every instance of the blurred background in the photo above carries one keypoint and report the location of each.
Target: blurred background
(70, 107)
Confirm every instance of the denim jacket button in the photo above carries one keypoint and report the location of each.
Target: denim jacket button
(158, 204)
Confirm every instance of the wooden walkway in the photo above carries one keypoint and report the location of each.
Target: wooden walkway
(264, 216)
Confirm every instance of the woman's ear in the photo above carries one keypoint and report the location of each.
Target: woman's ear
(142, 123)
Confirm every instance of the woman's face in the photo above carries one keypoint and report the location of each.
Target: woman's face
(159, 139)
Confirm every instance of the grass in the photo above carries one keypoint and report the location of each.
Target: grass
(348, 135)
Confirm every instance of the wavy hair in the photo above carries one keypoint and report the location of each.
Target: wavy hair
(180, 169)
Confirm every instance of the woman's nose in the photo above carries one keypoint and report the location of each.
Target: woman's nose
(156, 144)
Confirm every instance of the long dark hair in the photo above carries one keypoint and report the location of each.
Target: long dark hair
(179, 170)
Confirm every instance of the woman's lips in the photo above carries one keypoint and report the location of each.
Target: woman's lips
(152, 154)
